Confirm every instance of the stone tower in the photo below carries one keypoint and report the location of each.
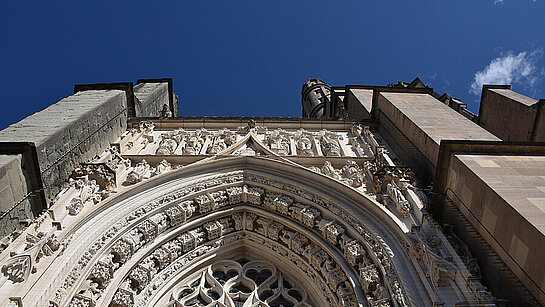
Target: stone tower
(379, 196)
(316, 98)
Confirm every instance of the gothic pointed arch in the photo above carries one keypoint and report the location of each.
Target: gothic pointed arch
(242, 229)
(261, 205)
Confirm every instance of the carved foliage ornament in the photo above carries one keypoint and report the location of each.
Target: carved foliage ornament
(19, 266)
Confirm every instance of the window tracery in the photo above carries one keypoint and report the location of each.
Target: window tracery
(244, 283)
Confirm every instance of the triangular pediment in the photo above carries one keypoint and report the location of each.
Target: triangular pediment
(249, 145)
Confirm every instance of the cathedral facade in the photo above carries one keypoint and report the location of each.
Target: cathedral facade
(377, 196)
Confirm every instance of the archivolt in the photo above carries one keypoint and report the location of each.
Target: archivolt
(239, 231)
(193, 209)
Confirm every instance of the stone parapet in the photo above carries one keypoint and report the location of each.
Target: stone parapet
(70, 132)
(150, 99)
(358, 103)
(155, 98)
(423, 121)
(500, 105)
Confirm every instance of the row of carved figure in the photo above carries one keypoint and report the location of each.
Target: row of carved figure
(352, 175)
(279, 141)
(300, 142)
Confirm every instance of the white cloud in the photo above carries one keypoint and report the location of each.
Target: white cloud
(501, 1)
(508, 68)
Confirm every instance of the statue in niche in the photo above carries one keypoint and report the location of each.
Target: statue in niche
(167, 146)
(224, 139)
(303, 143)
(193, 145)
(399, 199)
(278, 142)
(330, 147)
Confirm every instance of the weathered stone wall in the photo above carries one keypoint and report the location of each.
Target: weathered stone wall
(70, 132)
(13, 189)
(149, 99)
(501, 196)
(358, 103)
(507, 114)
(426, 121)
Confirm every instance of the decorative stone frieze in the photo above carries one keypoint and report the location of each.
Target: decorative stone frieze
(285, 143)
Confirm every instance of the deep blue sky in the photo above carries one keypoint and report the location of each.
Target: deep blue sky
(237, 58)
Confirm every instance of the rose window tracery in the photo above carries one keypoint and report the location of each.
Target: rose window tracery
(240, 283)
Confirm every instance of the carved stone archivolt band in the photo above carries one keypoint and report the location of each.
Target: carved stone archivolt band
(375, 286)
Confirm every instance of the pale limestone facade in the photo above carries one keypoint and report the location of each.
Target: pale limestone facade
(318, 211)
